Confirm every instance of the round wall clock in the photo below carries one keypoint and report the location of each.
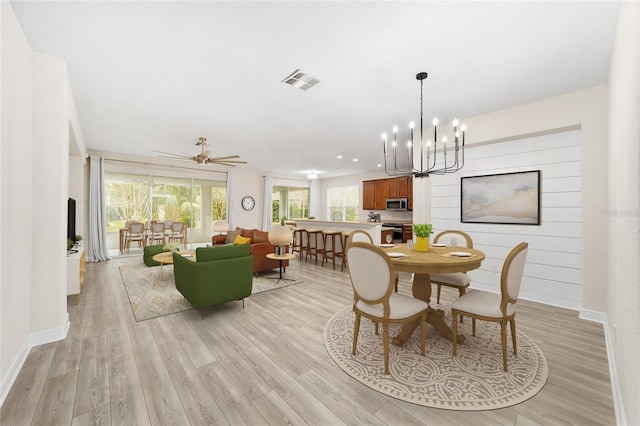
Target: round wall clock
(248, 203)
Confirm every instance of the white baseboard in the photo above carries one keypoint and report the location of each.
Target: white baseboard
(14, 370)
(621, 417)
(34, 339)
(594, 316)
(52, 335)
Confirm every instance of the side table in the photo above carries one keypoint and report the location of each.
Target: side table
(280, 258)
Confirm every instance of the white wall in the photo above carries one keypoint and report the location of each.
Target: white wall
(586, 110)
(15, 196)
(624, 210)
(553, 274)
(37, 114)
(49, 194)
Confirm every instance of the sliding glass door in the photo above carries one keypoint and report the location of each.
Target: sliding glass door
(144, 198)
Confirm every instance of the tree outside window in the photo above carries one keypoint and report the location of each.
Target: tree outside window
(219, 203)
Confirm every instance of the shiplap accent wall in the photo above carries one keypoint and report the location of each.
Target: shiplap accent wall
(553, 273)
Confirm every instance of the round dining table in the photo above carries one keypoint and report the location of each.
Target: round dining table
(438, 260)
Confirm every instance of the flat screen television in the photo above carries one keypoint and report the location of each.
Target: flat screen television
(71, 219)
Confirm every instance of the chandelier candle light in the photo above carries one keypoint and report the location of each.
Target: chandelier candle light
(429, 162)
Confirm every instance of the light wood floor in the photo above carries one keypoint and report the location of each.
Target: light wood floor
(266, 364)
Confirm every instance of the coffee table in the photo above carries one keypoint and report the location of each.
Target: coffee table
(166, 257)
(280, 258)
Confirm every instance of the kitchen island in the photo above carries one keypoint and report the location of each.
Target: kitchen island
(372, 228)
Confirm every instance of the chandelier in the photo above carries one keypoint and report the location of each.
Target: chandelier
(434, 159)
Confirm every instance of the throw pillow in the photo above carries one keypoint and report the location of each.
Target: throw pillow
(231, 236)
(241, 240)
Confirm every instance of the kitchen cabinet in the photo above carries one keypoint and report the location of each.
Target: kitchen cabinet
(368, 195)
(407, 233)
(376, 192)
(380, 198)
(398, 187)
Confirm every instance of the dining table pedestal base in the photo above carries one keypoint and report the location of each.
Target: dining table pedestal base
(421, 289)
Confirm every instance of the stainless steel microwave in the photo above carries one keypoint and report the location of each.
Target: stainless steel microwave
(397, 204)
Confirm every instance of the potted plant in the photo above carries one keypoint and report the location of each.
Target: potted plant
(78, 240)
(422, 231)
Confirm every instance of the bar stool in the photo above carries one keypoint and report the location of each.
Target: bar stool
(345, 240)
(311, 248)
(330, 251)
(297, 244)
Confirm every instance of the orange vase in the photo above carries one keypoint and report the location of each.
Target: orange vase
(422, 244)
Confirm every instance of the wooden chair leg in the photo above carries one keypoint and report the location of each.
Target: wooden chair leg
(512, 323)
(473, 327)
(423, 335)
(503, 337)
(356, 330)
(397, 283)
(385, 337)
(461, 291)
(454, 331)
(439, 288)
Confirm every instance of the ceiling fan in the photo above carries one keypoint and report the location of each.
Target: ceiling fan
(203, 157)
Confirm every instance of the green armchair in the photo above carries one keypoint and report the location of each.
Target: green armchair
(219, 275)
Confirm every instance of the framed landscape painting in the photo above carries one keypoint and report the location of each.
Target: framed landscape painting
(508, 198)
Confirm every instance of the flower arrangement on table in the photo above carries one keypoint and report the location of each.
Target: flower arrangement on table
(172, 247)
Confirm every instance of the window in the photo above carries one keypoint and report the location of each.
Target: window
(289, 202)
(344, 203)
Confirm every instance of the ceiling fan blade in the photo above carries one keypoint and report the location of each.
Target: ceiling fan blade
(223, 164)
(173, 155)
(224, 158)
(176, 158)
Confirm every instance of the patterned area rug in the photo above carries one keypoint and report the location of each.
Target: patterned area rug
(153, 296)
(474, 380)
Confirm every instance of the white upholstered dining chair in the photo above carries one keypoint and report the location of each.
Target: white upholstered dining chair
(501, 308)
(364, 237)
(372, 277)
(458, 280)
(360, 236)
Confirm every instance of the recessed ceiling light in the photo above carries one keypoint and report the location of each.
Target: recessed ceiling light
(339, 155)
(379, 165)
(355, 159)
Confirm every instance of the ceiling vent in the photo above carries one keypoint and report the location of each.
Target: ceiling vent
(301, 80)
